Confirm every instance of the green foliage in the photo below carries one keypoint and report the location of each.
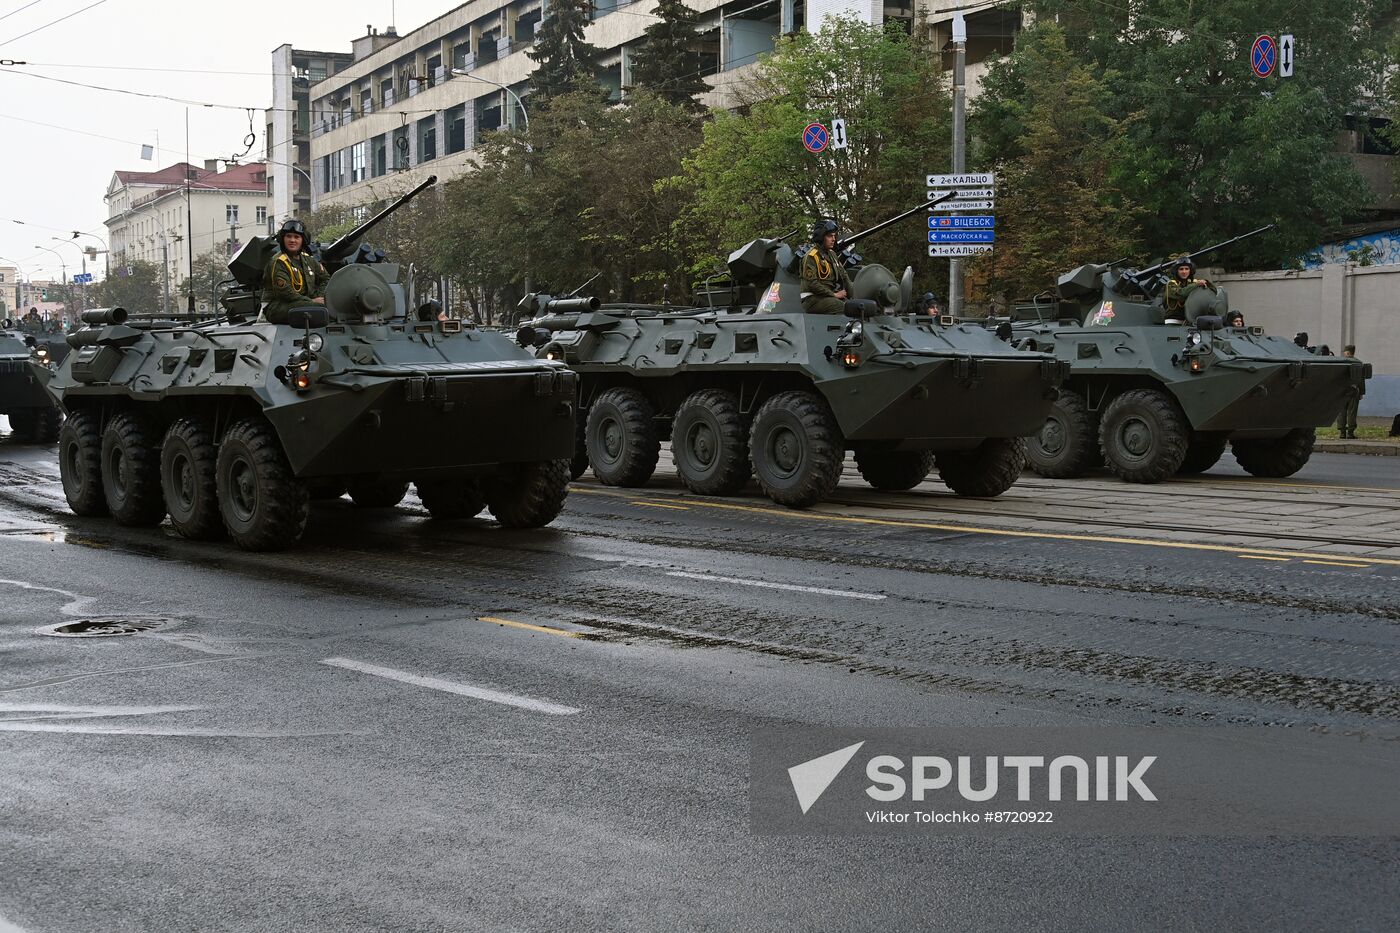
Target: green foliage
(1047, 133)
(1212, 151)
(564, 61)
(573, 198)
(406, 236)
(752, 177)
(210, 269)
(666, 62)
(139, 292)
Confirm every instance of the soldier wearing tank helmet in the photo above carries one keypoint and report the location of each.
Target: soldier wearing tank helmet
(294, 277)
(1180, 286)
(825, 284)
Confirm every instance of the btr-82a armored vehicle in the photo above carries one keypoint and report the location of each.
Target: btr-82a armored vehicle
(1154, 393)
(744, 382)
(33, 415)
(227, 425)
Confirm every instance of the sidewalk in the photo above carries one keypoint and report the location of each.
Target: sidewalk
(1385, 448)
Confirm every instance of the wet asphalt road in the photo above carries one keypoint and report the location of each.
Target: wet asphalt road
(219, 774)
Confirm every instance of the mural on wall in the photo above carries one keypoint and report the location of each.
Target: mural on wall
(1373, 249)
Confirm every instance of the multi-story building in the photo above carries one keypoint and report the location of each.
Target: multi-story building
(149, 220)
(294, 71)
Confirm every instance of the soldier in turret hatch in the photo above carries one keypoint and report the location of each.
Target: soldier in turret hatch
(293, 278)
(1182, 283)
(825, 284)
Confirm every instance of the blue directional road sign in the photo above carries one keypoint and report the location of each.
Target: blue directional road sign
(980, 222)
(82, 278)
(962, 236)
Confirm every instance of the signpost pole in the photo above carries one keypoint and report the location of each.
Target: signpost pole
(955, 279)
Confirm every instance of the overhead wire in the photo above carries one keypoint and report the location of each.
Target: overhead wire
(21, 9)
(31, 32)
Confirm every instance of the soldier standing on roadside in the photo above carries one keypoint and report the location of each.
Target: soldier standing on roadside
(825, 284)
(1346, 421)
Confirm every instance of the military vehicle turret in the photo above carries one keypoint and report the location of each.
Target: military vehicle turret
(743, 382)
(32, 413)
(226, 425)
(1155, 393)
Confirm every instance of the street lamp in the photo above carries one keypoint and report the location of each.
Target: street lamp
(106, 250)
(61, 264)
(519, 103)
(82, 293)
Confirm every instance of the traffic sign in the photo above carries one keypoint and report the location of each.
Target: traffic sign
(1286, 49)
(1263, 56)
(838, 134)
(962, 236)
(815, 137)
(963, 206)
(963, 249)
(82, 278)
(980, 222)
(963, 192)
(964, 180)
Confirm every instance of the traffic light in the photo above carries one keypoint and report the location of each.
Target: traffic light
(44, 294)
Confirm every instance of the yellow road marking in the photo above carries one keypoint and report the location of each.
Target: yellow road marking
(662, 505)
(1334, 563)
(1262, 557)
(548, 630)
(976, 530)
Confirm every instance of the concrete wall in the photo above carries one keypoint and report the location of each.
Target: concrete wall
(1336, 305)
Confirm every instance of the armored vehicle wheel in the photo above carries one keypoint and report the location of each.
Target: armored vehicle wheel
(47, 423)
(1281, 456)
(894, 470)
(579, 465)
(370, 492)
(528, 495)
(709, 441)
(1202, 452)
(187, 465)
(622, 442)
(80, 464)
(131, 471)
(797, 449)
(989, 469)
(22, 424)
(1068, 444)
(263, 504)
(1144, 436)
(451, 498)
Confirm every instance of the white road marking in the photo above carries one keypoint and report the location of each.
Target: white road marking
(447, 686)
(774, 586)
(75, 605)
(8, 927)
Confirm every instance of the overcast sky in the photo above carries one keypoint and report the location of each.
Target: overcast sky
(59, 144)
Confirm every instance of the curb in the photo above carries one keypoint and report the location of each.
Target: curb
(1372, 448)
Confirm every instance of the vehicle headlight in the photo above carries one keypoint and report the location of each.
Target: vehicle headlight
(1193, 338)
(315, 342)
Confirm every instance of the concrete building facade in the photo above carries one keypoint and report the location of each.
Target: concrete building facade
(288, 137)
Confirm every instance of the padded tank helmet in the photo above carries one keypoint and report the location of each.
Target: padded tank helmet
(1184, 261)
(822, 227)
(292, 225)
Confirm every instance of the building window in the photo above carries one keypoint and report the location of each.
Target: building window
(427, 139)
(386, 92)
(456, 120)
(366, 101)
(262, 215)
(357, 161)
(231, 213)
(401, 148)
(379, 155)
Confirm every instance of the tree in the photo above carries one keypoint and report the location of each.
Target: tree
(1212, 151)
(666, 62)
(1047, 133)
(210, 269)
(564, 62)
(752, 177)
(135, 286)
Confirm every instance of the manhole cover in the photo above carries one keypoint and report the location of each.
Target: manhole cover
(105, 628)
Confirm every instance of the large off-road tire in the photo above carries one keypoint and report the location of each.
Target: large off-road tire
(22, 423)
(371, 492)
(797, 449)
(623, 446)
(47, 423)
(1282, 456)
(894, 470)
(131, 471)
(1203, 451)
(1144, 436)
(710, 443)
(263, 504)
(579, 464)
(450, 499)
(987, 470)
(528, 495)
(80, 464)
(1068, 443)
(188, 460)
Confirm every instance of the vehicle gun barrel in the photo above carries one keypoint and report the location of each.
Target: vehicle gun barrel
(343, 247)
(104, 316)
(855, 238)
(1153, 270)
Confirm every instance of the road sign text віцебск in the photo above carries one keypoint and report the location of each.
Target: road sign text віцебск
(963, 206)
(981, 222)
(958, 249)
(962, 236)
(963, 180)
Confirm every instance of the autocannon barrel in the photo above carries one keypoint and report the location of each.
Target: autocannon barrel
(569, 305)
(104, 316)
(335, 254)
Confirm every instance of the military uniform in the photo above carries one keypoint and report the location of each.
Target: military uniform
(1346, 421)
(822, 277)
(1174, 299)
(291, 281)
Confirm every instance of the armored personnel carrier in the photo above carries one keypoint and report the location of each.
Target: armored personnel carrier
(745, 383)
(228, 425)
(1153, 393)
(32, 413)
